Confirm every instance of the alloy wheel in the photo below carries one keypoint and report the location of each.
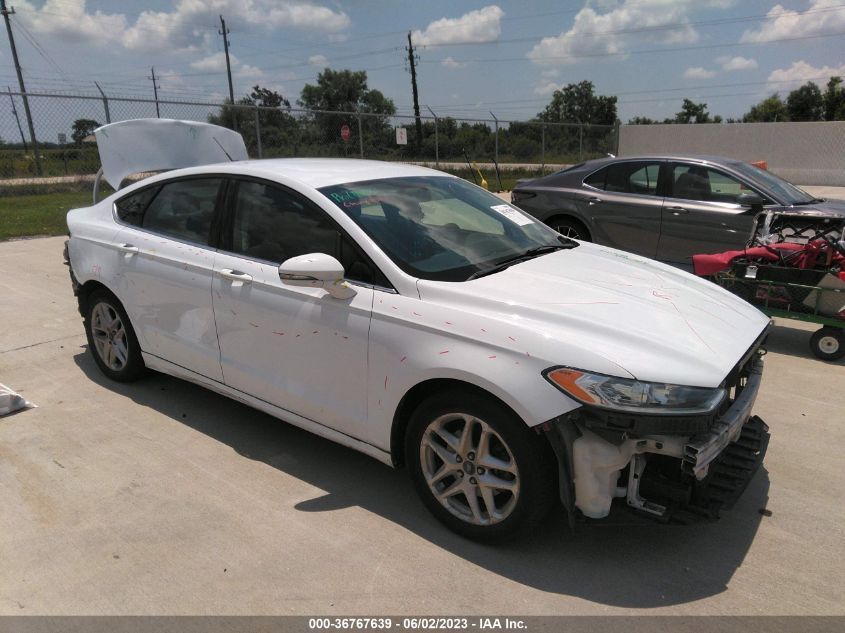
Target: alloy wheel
(109, 336)
(469, 469)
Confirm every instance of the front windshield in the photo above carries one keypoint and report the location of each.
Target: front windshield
(785, 191)
(439, 227)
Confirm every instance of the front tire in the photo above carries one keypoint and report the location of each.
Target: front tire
(477, 467)
(111, 339)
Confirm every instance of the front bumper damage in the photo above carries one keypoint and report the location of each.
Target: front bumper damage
(691, 473)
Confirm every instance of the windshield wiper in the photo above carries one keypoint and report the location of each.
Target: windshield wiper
(531, 253)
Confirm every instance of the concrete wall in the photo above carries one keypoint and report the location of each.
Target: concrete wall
(811, 153)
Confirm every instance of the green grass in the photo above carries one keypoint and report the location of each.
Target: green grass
(43, 214)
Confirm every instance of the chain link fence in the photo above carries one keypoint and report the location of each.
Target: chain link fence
(63, 123)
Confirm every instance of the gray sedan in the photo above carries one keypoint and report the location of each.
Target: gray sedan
(664, 207)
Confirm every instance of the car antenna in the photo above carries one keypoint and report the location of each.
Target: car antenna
(224, 151)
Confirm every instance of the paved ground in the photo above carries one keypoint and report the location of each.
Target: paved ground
(160, 497)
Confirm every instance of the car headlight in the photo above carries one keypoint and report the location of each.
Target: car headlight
(634, 396)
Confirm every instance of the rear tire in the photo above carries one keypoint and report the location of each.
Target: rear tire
(111, 339)
(569, 227)
(828, 343)
(477, 467)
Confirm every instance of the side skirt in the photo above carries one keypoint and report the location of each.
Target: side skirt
(166, 367)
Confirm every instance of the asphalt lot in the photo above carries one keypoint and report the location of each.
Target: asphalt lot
(162, 498)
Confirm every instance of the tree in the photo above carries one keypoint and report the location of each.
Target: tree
(694, 113)
(577, 103)
(641, 120)
(805, 103)
(834, 100)
(347, 91)
(277, 125)
(82, 128)
(769, 109)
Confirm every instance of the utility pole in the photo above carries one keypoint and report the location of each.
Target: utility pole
(155, 91)
(6, 13)
(17, 118)
(225, 33)
(412, 62)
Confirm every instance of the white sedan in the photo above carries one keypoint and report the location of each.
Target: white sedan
(408, 314)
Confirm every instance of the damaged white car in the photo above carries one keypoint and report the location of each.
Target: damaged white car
(419, 319)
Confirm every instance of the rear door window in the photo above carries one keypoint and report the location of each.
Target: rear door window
(627, 177)
(130, 209)
(184, 209)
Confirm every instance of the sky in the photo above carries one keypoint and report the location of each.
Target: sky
(473, 57)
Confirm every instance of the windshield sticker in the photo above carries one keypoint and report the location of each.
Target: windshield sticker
(512, 214)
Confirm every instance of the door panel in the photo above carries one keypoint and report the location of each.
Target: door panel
(297, 348)
(624, 206)
(167, 295)
(167, 268)
(700, 216)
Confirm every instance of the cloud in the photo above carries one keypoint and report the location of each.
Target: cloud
(697, 72)
(217, 63)
(190, 25)
(318, 60)
(801, 72)
(245, 71)
(214, 62)
(547, 88)
(69, 21)
(821, 18)
(736, 63)
(448, 62)
(482, 25)
(610, 29)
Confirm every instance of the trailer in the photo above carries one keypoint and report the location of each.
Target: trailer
(793, 267)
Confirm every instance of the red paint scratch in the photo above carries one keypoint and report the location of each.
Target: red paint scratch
(233, 312)
(253, 324)
(491, 357)
(447, 322)
(404, 358)
(417, 314)
(512, 338)
(346, 337)
(279, 333)
(385, 383)
(446, 351)
(297, 336)
(394, 307)
(315, 332)
(483, 330)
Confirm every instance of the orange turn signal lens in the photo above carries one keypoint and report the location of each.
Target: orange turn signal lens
(567, 379)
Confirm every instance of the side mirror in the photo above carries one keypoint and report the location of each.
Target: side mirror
(752, 200)
(316, 270)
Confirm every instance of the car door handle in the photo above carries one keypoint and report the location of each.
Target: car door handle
(593, 201)
(235, 275)
(677, 210)
(129, 249)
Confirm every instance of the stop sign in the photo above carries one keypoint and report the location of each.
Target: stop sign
(344, 132)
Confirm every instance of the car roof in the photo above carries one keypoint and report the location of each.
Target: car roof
(311, 172)
(702, 158)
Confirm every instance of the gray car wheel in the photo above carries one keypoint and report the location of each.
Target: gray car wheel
(569, 228)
